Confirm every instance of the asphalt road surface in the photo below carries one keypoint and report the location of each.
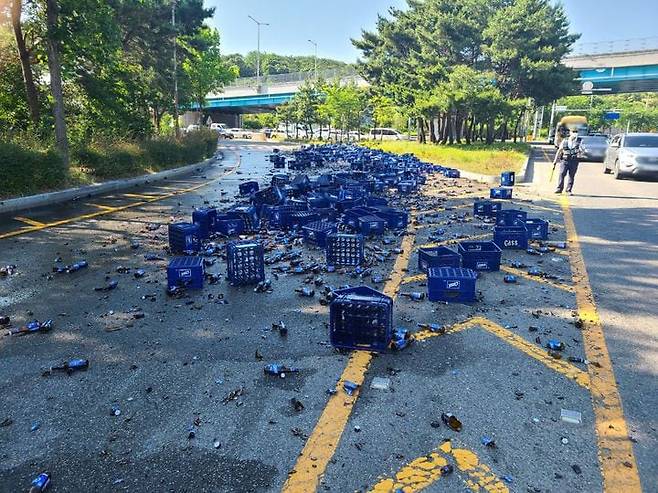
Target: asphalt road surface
(197, 413)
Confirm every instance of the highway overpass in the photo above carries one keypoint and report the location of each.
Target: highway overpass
(602, 68)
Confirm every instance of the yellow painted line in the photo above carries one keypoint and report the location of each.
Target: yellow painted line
(141, 195)
(415, 476)
(616, 457)
(323, 441)
(426, 470)
(538, 279)
(103, 207)
(480, 475)
(540, 354)
(416, 278)
(107, 211)
(29, 221)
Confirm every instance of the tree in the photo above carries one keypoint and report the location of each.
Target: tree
(55, 70)
(306, 103)
(204, 67)
(25, 56)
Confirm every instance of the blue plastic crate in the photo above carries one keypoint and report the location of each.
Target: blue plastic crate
(343, 205)
(374, 201)
(344, 249)
(371, 225)
(184, 237)
(480, 255)
(486, 208)
(316, 233)
(451, 284)
(507, 179)
(206, 219)
(280, 179)
(301, 218)
(185, 272)
(318, 201)
(248, 187)
(361, 318)
(451, 173)
(500, 193)
(511, 217)
(268, 196)
(406, 186)
(537, 228)
(229, 226)
(245, 262)
(351, 192)
(351, 216)
(439, 256)
(511, 237)
(395, 218)
(249, 216)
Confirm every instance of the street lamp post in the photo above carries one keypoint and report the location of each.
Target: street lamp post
(175, 73)
(258, 51)
(315, 64)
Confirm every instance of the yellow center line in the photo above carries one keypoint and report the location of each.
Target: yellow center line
(110, 210)
(540, 354)
(538, 279)
(142, 195)
(103, 207)
(416, 278)
(616, 456)
(29, 221)
(323, 441)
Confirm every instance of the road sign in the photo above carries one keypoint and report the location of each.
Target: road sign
(560, 107)
(611, 115)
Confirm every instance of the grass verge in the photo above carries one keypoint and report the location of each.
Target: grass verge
(476, 158)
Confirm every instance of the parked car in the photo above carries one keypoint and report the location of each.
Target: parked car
(633, 154)
(593, 147)
(225, 133)
(385, 134)
(218, 126)
(192, 128)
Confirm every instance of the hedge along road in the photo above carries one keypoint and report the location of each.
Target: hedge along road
(193, 363)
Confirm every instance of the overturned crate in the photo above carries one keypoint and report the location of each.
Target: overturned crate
(186, 272)
(438, 256)
(537, 228)
(451, 284)
(511, 237)
(206, 219)
(184, 237)
(486, 208)
(316, 233)
(361, 318)
(344, 249)
(480, 255)
(245, 262)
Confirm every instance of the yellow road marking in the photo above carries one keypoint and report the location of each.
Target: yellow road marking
(103, 207)
(616, 457)
(525, 275)
(540, 354)
(417, 277)
(323, 441)
(29, 221)
(426, 470)
(104, 212)
(142, 195)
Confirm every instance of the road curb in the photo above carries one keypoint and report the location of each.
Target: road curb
(520, 176)
(51, 198)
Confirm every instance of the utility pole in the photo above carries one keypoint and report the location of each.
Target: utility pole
(315, 58)
(173, 25)
(258, 51)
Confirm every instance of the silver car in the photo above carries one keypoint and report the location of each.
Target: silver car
(633, 154)
(593, 147)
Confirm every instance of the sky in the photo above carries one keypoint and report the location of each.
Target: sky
(331, 23)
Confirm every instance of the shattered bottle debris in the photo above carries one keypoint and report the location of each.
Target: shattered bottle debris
(305, 292)
(32, 327)
(451, 421)
(555, 345)
(415, 296)
(350, 387)
(509, 279)
(278, 370)
(40, 483)
(108, 287)
(281, 327)
(69, 366)
(436, 328)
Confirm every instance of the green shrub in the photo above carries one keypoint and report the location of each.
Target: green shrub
(24, 171)
(163, 152)
(112, 159)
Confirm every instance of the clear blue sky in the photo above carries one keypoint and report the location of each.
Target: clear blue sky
(331, 23)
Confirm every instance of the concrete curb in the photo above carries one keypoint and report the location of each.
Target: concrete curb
(493, 179)
(50, 198)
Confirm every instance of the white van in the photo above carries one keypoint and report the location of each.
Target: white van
(385, 134)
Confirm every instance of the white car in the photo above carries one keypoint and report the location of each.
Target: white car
(217, 126)
(385, 134)
(240, 133)
(192, 128)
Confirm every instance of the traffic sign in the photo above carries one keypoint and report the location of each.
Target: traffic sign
(611, 115)
(559, 107)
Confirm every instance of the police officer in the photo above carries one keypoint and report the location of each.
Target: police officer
(568, 154)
